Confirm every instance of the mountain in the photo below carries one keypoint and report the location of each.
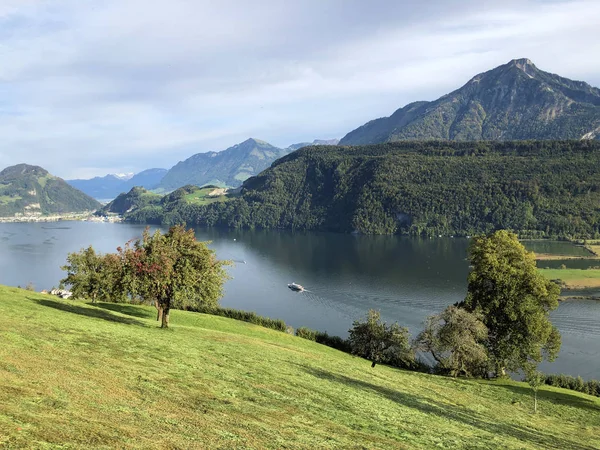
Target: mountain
(109, 186)
(536, 188)
(515, 101)
(136, 198)
(294, 147)
(226, 168)
(99, 187)
(32, 191)
(149, 179)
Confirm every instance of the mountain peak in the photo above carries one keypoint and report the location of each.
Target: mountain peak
(24, 169)
(514, 101)
(254, 141)
(522, 63)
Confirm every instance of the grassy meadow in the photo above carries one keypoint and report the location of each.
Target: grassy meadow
(76, 375)
(205, 196)
(574, 278)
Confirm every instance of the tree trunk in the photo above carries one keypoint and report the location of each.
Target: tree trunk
(373, 364)
(159, 311)
(165, 317)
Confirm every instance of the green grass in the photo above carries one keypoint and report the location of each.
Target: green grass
(74, 375)
(574, 278)
(201, 197)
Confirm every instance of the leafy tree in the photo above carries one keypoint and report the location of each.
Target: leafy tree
(380, 343)
(173, 270)
(456, 340)
(515, 301)
(94, 276)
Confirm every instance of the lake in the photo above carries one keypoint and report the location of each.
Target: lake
(407, 279)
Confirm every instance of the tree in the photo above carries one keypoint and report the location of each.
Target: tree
(380, 343)
(173, 270)
(515, 301)
(535, 380)
(94, 276)
(456, 340)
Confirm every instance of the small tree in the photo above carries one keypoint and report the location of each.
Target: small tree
(456, 340)
(379, 343)
(173, 270)
(515, 301)
(535, 380)
(94, 276)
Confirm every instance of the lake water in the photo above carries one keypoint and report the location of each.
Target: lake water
(407, 279)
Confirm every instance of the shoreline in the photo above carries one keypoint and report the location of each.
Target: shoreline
(87, 216)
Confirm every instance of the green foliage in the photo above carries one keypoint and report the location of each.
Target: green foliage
(171, 270)
(322, 337)
(244, 316)
(94, 276)
(174, 270)
(380, 343)
(514, 299)
(456, 340)
(591, 387)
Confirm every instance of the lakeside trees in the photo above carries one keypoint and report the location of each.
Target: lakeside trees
(515, 301)
(381, 343)
(171, 270)
(456, 340)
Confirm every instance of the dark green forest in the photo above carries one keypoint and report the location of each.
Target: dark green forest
(535, 188)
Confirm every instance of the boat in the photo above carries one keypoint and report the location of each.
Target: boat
(296, 287)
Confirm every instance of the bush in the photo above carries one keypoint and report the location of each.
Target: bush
(381, 343)
(244, 316)
(306, 333)
(591, 387)
(321, 337)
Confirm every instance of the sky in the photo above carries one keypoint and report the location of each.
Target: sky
(89, 88)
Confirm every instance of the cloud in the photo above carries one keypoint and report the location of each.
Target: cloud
(123, 85)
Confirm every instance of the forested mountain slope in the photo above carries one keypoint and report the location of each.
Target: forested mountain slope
(542, 188)
(30, 190)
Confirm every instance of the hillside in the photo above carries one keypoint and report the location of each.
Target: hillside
(109, 186)
(140, 205)
(105, 376)
(431, 188)
(511, 102)
(32, 191)
(135, 198)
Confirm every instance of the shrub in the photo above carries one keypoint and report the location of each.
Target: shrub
(591, 387)
(381, 343)
(244, 316)
(306, 333)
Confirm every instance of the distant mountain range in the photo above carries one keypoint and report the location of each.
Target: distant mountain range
(229, 167)
(109, 186)
(32, 191)
(515, 101)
